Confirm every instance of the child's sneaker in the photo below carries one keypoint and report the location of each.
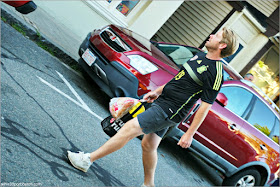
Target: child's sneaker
(80, 160)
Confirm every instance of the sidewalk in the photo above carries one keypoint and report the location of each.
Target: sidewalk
(40, 26)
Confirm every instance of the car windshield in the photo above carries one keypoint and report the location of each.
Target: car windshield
(177, 53)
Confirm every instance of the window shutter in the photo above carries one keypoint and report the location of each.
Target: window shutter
(192, 22)
(265, 7)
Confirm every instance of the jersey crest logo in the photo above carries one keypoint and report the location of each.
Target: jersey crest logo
(199, 61)
(180, 75)
(194, 58)
(201, 69)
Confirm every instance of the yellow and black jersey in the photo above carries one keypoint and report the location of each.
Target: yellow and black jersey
(198, 78)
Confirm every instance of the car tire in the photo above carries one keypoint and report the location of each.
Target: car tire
(85, 74)
(249, 177)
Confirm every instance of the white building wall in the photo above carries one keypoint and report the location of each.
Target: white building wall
(245, 55)
(75, 15)
(250, 35)
(154, 16)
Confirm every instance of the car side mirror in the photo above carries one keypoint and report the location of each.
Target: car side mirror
(222, 99)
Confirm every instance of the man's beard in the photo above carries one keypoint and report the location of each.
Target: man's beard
(211, 47)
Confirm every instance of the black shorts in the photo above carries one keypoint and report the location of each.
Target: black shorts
(155, 120)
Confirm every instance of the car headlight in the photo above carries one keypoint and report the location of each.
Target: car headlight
(141, 64)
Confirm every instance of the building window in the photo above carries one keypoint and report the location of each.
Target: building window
(125, 7)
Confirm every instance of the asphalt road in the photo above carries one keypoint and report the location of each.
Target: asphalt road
(46, 109)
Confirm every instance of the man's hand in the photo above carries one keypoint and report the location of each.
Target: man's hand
(153, 95)
(150, 96)
(185, 141)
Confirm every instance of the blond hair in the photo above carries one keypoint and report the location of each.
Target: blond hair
(229, 38)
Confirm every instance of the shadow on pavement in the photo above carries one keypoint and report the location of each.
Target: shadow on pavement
(188, 159)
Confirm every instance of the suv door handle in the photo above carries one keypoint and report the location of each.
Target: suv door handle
(232, 127)
(263, 147)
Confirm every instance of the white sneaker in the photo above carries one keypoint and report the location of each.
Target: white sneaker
(143, 185)
(80, 160)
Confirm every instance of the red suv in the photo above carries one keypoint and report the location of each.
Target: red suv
(240, 135)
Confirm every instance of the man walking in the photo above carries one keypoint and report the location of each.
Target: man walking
(199, 78)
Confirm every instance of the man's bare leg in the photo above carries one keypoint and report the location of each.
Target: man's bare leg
(150, 144)
(130, 130)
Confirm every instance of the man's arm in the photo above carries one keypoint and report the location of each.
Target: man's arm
(153, 95)
(200, 115)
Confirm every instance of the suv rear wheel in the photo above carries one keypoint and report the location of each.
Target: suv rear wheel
(249, 177)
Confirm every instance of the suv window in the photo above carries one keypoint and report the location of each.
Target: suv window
(275, 131)
(177, 53)
(244, 104)
(263, 118)
(238, 99)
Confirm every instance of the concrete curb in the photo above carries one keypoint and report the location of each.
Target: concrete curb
(35, 36)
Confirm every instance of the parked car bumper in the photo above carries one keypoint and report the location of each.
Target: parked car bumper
(110, 76)
(27, 8)
(23, 7)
